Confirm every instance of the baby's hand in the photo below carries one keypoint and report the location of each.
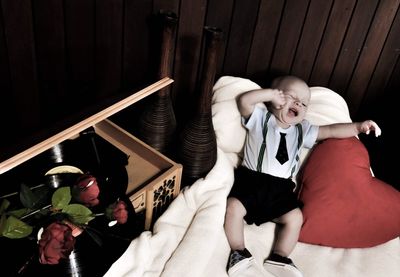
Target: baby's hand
(369, 125)
(278, 98)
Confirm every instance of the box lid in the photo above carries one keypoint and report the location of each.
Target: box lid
(84, 124)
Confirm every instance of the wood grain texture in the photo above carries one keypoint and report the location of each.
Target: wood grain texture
(353, 43)
(80, 50)
(370, 54)
(137, 34)
(310, 40)
(85, 51)
(166, 5)
(51, 58)
(109, 26)
(187, 55)
(240, 37)
(289, 36)
(219, 15)
(18, 32)
(7, 100)
(384, 71)
(332, 40)
(264, 38)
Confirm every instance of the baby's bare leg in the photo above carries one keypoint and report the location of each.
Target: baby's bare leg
(234, 226)
(288, 232)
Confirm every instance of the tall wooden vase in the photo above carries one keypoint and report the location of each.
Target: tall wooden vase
(157, 124)
(198, 149)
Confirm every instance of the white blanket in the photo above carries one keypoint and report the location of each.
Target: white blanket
(189, 239)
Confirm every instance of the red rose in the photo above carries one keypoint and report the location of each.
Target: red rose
(56, 243)
(87, 190)
(120, 212)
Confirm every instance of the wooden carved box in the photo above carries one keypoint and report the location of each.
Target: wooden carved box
(153, 179)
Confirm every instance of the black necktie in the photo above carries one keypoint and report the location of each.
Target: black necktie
(282, 155)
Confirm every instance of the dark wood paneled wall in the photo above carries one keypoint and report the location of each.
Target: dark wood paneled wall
(62, 57)
(58, 57)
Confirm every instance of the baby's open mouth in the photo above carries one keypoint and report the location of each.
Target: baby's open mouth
(293, 112)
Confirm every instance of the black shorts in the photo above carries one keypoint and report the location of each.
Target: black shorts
(264, 196)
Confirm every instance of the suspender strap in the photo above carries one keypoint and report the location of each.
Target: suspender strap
(263, 145)
(299, 143)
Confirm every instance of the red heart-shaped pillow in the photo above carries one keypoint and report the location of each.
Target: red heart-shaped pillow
(344, 205)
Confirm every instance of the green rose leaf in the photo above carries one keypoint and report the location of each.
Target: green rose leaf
(42, 194)
(19, 213)
(27, 197)
(4, 205)
(61, 198)
(15, 229)
(78, 213)
(2, 223)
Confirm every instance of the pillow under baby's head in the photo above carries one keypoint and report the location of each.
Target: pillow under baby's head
(226, 117)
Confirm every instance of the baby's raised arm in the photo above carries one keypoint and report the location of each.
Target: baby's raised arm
(345, 130)
(248, 100)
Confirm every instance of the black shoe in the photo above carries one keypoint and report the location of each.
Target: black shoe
(281, 266)
(242, 264)
(238, 255)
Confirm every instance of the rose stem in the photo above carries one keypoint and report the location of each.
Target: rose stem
(36, 211)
